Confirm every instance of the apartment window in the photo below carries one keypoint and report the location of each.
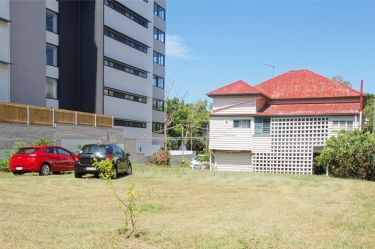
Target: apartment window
(51, 21)
(51, 88)
(159, 58)
(159, 11)
(124, 95)
(262, 126)
(158, 127)
(122, 9)
(125, 39)
(241, 123)
(159, 35)
(158, 105)
(158, 81)
(125, 68)
(129, 123)
(51, 53)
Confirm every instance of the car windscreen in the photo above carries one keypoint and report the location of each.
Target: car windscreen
(96, 149)
(26, 150)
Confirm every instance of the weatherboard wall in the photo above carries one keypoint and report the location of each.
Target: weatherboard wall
(234, 105)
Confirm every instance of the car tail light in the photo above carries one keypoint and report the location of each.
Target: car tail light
(108, 157)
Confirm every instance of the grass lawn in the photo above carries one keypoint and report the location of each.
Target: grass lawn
(191, 210)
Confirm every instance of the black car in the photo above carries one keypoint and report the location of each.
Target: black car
(121, 162)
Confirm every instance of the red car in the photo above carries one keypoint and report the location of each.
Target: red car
(42, 159)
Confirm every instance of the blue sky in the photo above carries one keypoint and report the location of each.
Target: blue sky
(212, 43)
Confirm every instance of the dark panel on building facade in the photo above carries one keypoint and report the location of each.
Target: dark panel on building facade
(80, 67)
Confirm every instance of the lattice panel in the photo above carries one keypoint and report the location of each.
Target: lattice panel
(292, 142)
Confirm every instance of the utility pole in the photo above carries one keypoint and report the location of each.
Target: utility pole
(361, 107)
(191, 135)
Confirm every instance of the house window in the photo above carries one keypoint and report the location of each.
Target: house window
(158, 81)
(125, 39)
(51, 88)
(158, 105)
(262, 126)
(159, 58)
(124, 67)
(158, 127)
(159, 11)
(129, 123)
(125, 11)
(124, 95)
(51, 21)
(159, 35)
(349, 125)
(342, 125)
(241, 123)
(51, 55)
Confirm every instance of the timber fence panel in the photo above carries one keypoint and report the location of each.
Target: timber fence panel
(40, 115)
(85, 119)
(65, 117)
(103, 121)
(13, 113)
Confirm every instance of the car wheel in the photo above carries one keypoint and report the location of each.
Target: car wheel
(45, 170)
(115, 172)
(129, 171)
(77, 175)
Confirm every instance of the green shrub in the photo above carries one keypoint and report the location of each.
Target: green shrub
(350, 154)
(4, 163)
(160, 157)
(204, 158)
(44, 141)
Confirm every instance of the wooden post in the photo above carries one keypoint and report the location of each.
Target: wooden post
(53, 117)
(28, 115)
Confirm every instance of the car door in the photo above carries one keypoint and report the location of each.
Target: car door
(120, 158)
(52, 158)
(66, 159)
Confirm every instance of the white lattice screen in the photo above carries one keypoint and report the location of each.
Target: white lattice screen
(292, 145)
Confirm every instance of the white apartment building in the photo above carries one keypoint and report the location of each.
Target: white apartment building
(99, 56)
(4, 51)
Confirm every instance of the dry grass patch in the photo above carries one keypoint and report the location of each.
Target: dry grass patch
(191, 210)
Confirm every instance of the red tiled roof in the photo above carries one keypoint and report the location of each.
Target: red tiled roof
(304, 84)
(310, 109)
(235, 88)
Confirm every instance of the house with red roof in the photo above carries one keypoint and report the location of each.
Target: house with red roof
(278, 125)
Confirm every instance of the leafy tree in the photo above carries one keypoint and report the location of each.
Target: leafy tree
(350, 154)
(340, 79)
(189, 124)
(368, 112)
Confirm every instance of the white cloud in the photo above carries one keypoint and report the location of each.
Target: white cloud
(176, 48)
